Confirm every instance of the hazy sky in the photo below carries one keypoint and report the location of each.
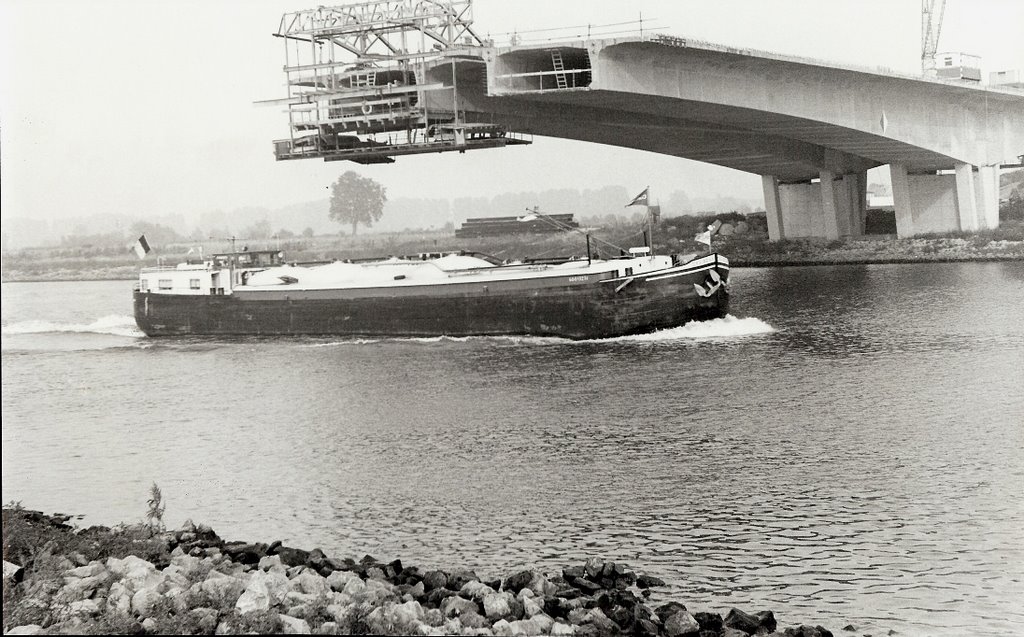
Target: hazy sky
(148, 107)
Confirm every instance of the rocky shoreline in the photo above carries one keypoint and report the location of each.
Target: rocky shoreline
(133, 580)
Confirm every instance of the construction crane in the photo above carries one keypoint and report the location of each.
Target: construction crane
(931, 27)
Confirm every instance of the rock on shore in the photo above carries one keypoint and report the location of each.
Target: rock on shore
(199, 584)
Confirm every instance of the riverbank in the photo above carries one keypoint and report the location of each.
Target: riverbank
(751, 250)
(59, 579)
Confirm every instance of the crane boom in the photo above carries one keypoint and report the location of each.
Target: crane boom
(931, 27)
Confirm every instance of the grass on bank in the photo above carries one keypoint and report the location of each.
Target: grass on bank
(671, 235)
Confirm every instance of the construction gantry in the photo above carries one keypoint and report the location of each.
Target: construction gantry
(371, 81)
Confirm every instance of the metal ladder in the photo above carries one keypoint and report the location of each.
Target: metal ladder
(559, 66)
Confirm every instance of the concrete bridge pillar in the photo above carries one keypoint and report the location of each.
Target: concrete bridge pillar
(967, 200)
(833, 208)
(773, 208)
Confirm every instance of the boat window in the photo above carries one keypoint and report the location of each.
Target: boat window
(193, 284)
(164, 284)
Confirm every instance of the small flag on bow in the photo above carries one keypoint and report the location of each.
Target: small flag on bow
(705, 237)
(639, 200)
(141, 247)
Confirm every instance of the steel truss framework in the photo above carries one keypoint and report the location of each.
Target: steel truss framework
(358, 81)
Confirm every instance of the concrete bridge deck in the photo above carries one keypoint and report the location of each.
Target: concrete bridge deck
(809, 128)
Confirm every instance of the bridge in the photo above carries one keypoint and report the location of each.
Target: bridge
(809, 128)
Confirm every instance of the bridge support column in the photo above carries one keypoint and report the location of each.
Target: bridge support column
(967, 200)
(986, 187)
(843, 203)
(833, 208)
(773, 208)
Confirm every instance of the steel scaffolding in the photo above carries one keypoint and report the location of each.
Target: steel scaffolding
(370, 81)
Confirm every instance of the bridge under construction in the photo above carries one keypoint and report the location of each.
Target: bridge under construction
(373, 81)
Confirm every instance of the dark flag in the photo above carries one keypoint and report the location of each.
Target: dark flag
(141, 247)
(639, 200)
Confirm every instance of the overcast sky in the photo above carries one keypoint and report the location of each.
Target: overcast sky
(148, 107)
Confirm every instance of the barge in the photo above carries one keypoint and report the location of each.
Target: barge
(431, 294)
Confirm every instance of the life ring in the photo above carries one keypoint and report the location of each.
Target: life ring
(367, 109)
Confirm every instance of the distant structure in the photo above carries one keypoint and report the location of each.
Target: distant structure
(498, 226)
(372, 81)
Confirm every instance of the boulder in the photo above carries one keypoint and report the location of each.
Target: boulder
(393, 569)
(533, 606)
(119, 598)
(339, 579)
(647, 628)
(328, 628)
(667, 610)
(85, 607)
(14, 573)
(436, 597)
(681, 623)
(310, 583)
(92, 569)
(498, 605)
(517, 582)
(417, 590)
(527, 627)
(457, 606)
(559, 628)
(205, 618)
(186, 564)
(293, 625)
(404, 615)
(541, 585)
(245, 552)
(81, 588)
(144, 600)
(354, 587)
(27, 629)
(648, 581)
(475, 590)
(292, 557)
(750, 624)
(709, 621)
(435, 579)
(317, 559)
(586, 585)
(474, 620)
(596, 617)
(811, 631)
(223, 588)
(256, 596)
(460, 577)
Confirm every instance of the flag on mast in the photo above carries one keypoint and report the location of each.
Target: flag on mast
(705, 237)
(639, 200)
(141, 247)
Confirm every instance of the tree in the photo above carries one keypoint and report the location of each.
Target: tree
(259, 230)
(357, 200)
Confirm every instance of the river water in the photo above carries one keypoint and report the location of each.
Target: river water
(846, 448)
